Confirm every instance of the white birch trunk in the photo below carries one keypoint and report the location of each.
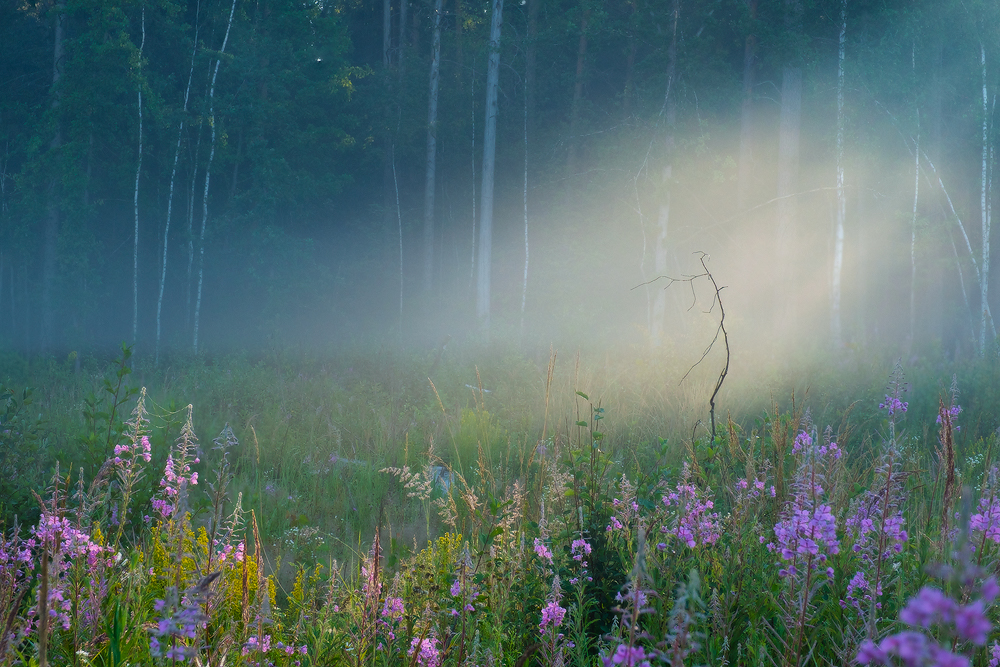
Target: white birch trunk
(984, 278)
(138, 170)
(746, 113)
(403, 6)
(472, 262)
(913, 236)
(838, 237)
(399, 220)
(432, 110)
(386, 32)
(208, 178)
(787, 266)
(968, 245)
(52, 217)
(170, 195)
(527, 249)
(658, 328)
(489, 157)
(190, 226)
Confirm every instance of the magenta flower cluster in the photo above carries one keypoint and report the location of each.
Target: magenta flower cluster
(177, 475)
(130, 452)
(65, 545)
(464, 596)
(987, 519)
(625, 508)
(929, 608)
(805, 532)
(952, 411)
(178, 627)
(628, 656)
(391, 615)
(552, 616)
(261, 646)
(580, 549)
(892, 405)
(543, 551)
(426, 651)
(694, 523)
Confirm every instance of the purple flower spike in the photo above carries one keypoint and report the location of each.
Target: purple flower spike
(928, 607)
(972, 624)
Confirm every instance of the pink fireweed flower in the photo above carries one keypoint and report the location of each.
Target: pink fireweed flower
(426, 650)
(953, 412)
(986, 520)
(628, 656)
(393, 609)
(892, 405)
(928, 607)
(806, 533)
(695, 524)
(552, 615)
(543, 552)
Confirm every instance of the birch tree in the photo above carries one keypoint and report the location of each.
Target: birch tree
(52, 218)
(574, 113)
(432, 112)
(489, 159)
(746, 110)
(170, 190)
(135, 202)
(663, 217)
(838, 235)
(913, 234)
(984, 279)
(208, 178)
(527, 248)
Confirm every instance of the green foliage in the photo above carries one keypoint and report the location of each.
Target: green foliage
(21, 469)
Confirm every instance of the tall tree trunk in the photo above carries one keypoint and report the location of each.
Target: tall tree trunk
(489, 158)
(138, 171)
(472, 261)
(527, 248)
(432, 110)
(968, 247)
(459, 57)
(403, 6)
(746, 113)
(399, 221)
(574, 110)
(788, 167)
(913, 237)
(170, 192)
(984, 279)
(531, 62)
(52, 217)
(628, 92)
(190, 220)
(208, 178)
(658, 329)
(838, 236)
(386, 32)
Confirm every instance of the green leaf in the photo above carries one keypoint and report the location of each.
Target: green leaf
(580, 393)
(582, 423)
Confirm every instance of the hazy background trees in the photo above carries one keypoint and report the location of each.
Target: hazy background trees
(779, 136)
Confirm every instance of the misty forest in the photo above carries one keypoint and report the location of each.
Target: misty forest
(464, 333)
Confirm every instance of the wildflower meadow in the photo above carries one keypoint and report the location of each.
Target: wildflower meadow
(782, 541)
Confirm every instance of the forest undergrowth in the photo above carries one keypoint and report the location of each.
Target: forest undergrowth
(496, 509)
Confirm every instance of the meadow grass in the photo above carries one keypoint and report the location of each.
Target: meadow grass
(487, 506)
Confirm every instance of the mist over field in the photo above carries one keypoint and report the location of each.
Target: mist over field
(211, 177)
